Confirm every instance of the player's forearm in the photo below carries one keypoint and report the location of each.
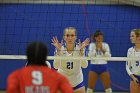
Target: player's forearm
(128, 68)
(58, 53)
(81, 53)
(132, 76)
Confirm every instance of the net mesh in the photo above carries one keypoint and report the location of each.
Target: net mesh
(24, 21)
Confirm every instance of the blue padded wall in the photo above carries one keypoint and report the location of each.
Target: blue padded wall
(21, 24)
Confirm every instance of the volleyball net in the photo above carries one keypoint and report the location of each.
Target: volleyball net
(119, 78)
(120, 59)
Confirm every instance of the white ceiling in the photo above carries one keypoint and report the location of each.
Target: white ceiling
(127, 2)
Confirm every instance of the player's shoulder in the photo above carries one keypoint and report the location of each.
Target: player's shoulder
(130, 49)
(77, 47)
(15, 73)
(105, 43)
(92, 44)
(63, 47)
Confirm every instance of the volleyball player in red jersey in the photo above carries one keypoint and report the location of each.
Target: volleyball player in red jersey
(36, 77)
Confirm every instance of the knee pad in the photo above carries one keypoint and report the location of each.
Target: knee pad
(89, 90)
(109, 90)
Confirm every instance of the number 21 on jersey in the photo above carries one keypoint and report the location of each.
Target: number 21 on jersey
(69, 65)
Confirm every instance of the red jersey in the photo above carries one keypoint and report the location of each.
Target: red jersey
(37, 79)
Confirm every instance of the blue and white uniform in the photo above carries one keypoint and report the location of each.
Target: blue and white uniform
(71, 68)
(99, 66)
(133, 67)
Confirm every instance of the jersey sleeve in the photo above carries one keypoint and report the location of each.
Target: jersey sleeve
(65, 86)
(107, 51)
(128, 64)
(92, 50)
(84, 63)
(12, 83)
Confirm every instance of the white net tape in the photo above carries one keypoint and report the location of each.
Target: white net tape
(23, 57)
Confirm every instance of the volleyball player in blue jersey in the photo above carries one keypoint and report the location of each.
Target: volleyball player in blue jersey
(71, 68)
(99, 68)
(133, 67)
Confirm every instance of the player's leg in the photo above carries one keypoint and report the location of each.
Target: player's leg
(105, 78)
(80, 90)
(138, 88)
(137, 85)
(134, 87)
(92, 78)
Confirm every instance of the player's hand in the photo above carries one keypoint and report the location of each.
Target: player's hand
(56, 43)
(99, 46)
(136, 80)
(84, 43)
